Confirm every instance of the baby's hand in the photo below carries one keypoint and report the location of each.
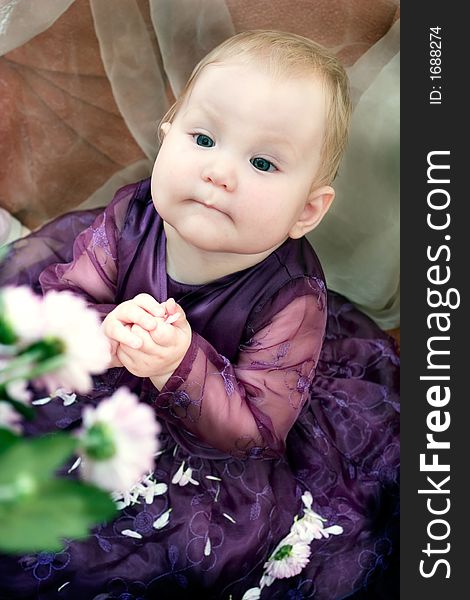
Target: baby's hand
(142, 310)
(162, 348)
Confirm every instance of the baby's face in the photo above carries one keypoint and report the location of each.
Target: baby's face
(238, 162)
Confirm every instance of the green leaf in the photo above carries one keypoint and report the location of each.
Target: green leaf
(35, 459)
(59, 509)
(7, 334)
(26, 411)
(7, 439)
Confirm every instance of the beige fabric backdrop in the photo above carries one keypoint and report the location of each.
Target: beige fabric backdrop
(83, 84)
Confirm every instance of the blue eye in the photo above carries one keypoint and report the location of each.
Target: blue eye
(262, 164)
(204, 140)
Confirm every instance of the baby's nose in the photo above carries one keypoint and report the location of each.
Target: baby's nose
(220, 175)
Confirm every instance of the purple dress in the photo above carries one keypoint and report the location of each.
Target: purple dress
(273, 398)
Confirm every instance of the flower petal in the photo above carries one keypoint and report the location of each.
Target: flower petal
(252, 594)
(179, 473)
(131, 533)
(162, 520)
(334, 530)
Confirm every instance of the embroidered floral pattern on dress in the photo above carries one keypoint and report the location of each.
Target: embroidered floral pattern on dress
(227, 378)
(298, 382)
(119, 589)
(184, 402)
(99, 239)
(318, 286)
(44, 563)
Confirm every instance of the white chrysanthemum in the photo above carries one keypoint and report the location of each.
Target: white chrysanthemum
(311, 527)
(288, 559)
(86, 349)
(22, 311)
(119, 441)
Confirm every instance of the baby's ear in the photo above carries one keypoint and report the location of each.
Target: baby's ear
(316, 207)
(165, 128)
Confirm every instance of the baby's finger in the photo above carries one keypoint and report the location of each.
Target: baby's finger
(170, 306)
(147, 342)
(164, 334)
(122, 334)
(179, 322)
(148, 303)
(172, 318)
(131, 313)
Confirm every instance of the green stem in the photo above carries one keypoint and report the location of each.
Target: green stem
(24, 367)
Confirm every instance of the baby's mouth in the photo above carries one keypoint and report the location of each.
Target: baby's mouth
(209, 205)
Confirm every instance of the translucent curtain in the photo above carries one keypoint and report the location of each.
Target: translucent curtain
(20, 20)
(358, 241)
(186, 31)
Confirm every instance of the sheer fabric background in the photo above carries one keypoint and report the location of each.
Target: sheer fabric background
(83, 84)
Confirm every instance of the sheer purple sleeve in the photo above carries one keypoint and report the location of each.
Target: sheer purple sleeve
(247, 409)
(92, 273)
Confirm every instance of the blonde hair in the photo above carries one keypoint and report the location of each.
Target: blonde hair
(289, 55)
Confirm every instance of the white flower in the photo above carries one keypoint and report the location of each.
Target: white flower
(162, 520)
(187, 477)
(85, 347)
(67, 397)
(308, 528)
(311, 527)
(119, 441)
(22, 311)
(9, 417)
(252, 594)
(183, 477)
(292, 554)
(126, 498)
(288, 559)
(147, 488)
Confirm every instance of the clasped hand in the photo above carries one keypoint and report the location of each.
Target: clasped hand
(147, 337)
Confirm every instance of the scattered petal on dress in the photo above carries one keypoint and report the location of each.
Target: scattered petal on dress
(162, 520)
(252, 594)
(131, 533)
